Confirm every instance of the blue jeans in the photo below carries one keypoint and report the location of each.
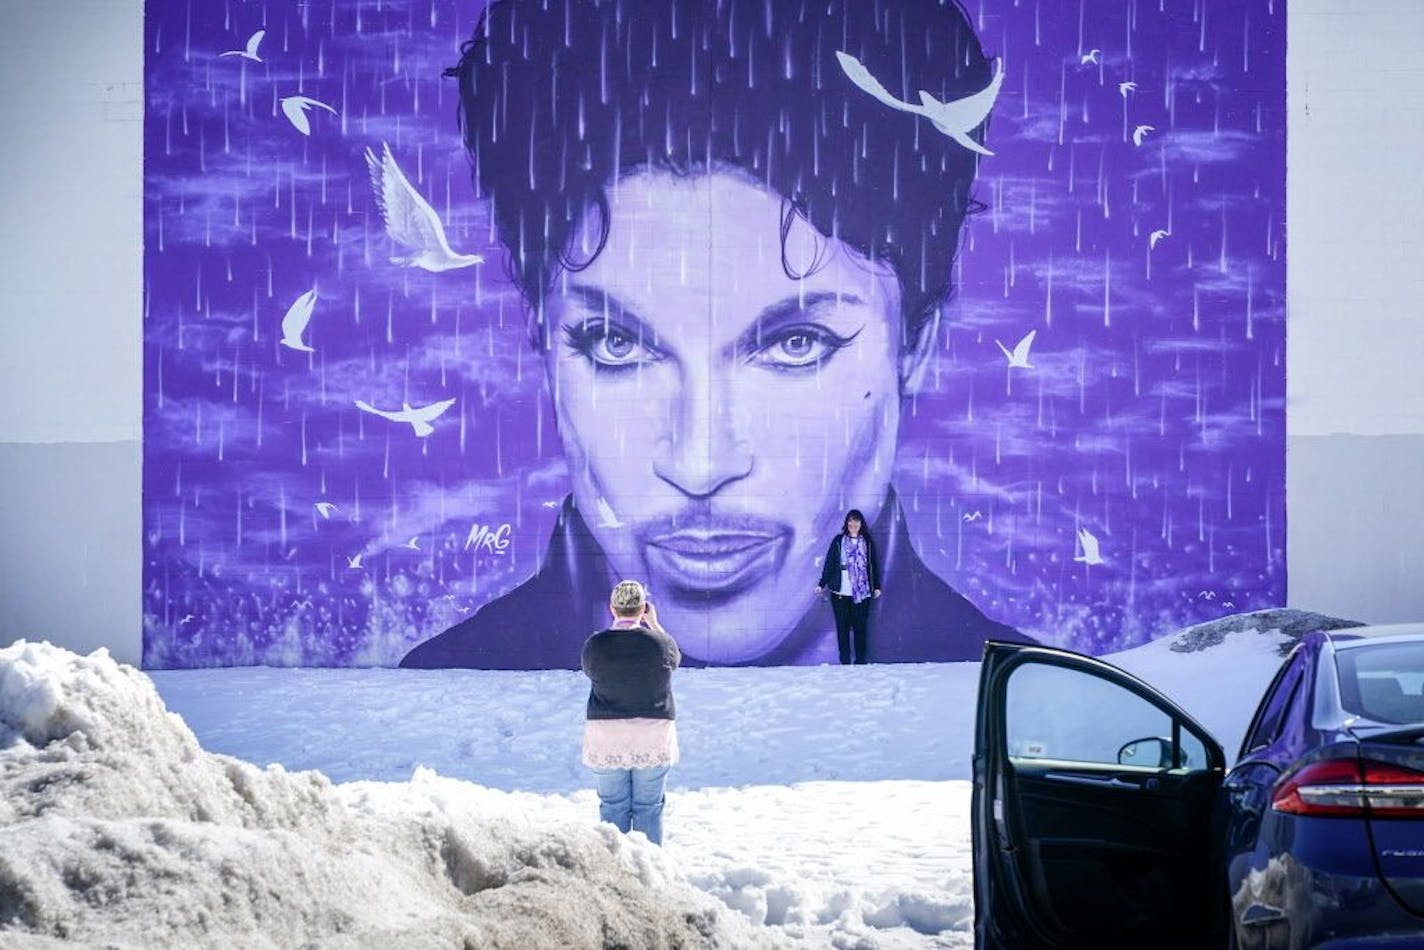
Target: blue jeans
(632, 799)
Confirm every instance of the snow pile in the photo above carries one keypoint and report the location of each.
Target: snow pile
(1292, 623)
(118, 827)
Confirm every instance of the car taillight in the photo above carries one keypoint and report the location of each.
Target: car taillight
(1352, 787)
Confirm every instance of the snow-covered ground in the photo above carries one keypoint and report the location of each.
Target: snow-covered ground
(828, 802)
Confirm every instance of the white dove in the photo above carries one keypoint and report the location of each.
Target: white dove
(294, 324)
(1156, 236)
(1090, 555)
(1091, 56)
(253, 41)
(973, 516)
(410, 221)
(354, 561)
(607, 517)
(413, 543)
(1140, 133)
(419, 419)
(295, 109)
(326, 508)
(955, 119)
(1123, 88)
(1018, 359)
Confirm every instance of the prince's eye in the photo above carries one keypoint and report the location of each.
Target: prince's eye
(797, 347)
(608, 346)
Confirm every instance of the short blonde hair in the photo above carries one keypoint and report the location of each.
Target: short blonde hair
(628, 598)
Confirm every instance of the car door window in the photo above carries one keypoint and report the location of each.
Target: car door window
(1267, 725)
(1056, 713)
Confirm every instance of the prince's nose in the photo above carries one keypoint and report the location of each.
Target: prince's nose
(701, 451)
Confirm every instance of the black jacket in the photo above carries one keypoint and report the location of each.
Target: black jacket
(831, 567)
(631, 674)
(542, 623)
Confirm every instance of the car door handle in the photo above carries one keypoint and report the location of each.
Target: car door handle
(1111, 781)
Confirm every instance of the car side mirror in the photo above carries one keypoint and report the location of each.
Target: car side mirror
(1152, 751)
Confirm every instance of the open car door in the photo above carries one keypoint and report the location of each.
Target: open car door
(1093, 808)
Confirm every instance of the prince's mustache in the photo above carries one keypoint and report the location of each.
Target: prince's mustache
(705, 554)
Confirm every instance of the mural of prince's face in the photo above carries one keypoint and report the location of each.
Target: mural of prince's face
(661, 289)
(733, 284)
(716, 413)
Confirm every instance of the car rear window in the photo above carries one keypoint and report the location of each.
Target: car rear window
(1383, 682)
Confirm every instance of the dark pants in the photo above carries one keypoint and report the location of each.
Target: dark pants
(851, 616)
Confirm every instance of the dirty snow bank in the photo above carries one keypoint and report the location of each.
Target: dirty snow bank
(118, 827)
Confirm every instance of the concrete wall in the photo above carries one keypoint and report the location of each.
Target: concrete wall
(71, 316)
(1355, 446)
(71, 258)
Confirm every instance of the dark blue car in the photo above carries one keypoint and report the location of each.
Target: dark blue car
(1104, 815)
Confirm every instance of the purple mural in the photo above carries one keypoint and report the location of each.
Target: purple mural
(454, 317)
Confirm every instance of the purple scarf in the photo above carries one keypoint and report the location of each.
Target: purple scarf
(855, 560)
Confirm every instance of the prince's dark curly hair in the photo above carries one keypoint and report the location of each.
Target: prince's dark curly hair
(560, 98)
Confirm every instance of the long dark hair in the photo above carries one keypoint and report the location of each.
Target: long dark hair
(864, 526)
(560, 100)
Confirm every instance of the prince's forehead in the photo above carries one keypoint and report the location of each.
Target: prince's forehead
(683, 249)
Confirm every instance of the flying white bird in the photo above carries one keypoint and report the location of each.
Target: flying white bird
(607, 517)
(1091, 56)
(419, 419)
(973, 516)
(294, 324)
(1156, 236)
(1090, 555)
(187, 618)
(413, 543)
(253, 41)
(1140, 133)
(1018, 359)
(1123, 88)
(410, 221)
(295, 109)
(551, 503)
(326, 508)
(354, 561)
(955, 119)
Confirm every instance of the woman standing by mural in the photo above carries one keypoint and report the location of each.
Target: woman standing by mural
(851, 572)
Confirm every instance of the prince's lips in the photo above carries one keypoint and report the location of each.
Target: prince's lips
(712, 560)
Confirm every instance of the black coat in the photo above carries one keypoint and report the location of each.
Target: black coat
(831, 567)
(631, 673)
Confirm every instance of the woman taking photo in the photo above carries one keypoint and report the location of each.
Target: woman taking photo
(630, 737)
(851, 572)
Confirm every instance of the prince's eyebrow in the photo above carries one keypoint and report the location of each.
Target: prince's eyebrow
(790, 311)
(601, 305)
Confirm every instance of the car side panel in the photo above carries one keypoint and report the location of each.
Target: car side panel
(1311, 881)
(1399, 850)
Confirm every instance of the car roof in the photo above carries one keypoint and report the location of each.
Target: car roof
(1347, 638)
